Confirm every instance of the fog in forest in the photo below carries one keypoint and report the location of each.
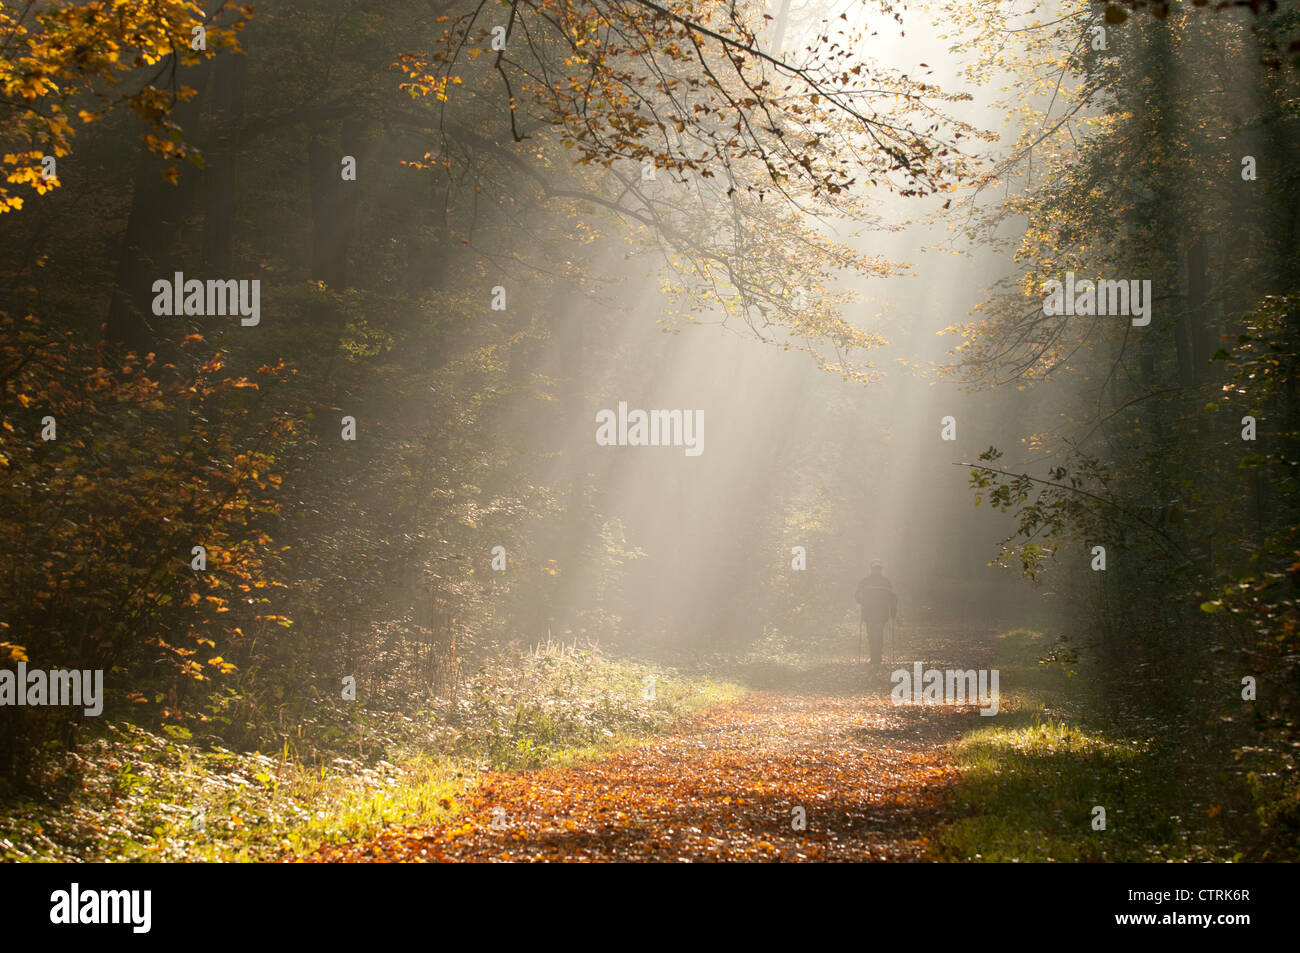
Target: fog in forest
(438, 429)
(794, 455)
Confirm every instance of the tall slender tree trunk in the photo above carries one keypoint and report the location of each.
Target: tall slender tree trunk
(219, 194)
(148, 250)
(780, 26)
(333, 203)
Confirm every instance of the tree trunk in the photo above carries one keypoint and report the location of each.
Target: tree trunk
(219, 167)
(1200, 330)
(333, 204)
(148, 250)
(781, 25)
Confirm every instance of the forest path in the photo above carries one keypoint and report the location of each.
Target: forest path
(871, 778)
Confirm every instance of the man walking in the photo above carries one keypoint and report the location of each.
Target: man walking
(879, 604)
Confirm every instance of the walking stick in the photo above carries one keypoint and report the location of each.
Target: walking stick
(860, 624)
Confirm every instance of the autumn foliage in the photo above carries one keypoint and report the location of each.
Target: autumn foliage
(145, 460)
(67, 59)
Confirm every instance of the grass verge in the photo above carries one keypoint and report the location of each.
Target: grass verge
(132, 794)
(1031, 783)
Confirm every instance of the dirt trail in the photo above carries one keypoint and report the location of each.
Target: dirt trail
(870, 777)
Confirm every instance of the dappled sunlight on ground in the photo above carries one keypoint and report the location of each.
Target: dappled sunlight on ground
(870, 779)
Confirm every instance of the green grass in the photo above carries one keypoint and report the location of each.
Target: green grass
(1032, 790)
(1030, 782)
(134, 794)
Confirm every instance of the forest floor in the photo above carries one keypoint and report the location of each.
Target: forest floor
(790, 751)
(818, 765)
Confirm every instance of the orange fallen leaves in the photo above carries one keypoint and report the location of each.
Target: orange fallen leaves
(872, 780)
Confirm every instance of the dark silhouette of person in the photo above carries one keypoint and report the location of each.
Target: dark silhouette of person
(879, 604)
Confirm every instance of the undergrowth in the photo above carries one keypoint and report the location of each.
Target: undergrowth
(130, 793)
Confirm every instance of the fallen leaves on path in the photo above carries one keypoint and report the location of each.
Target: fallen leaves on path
(870, 779)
